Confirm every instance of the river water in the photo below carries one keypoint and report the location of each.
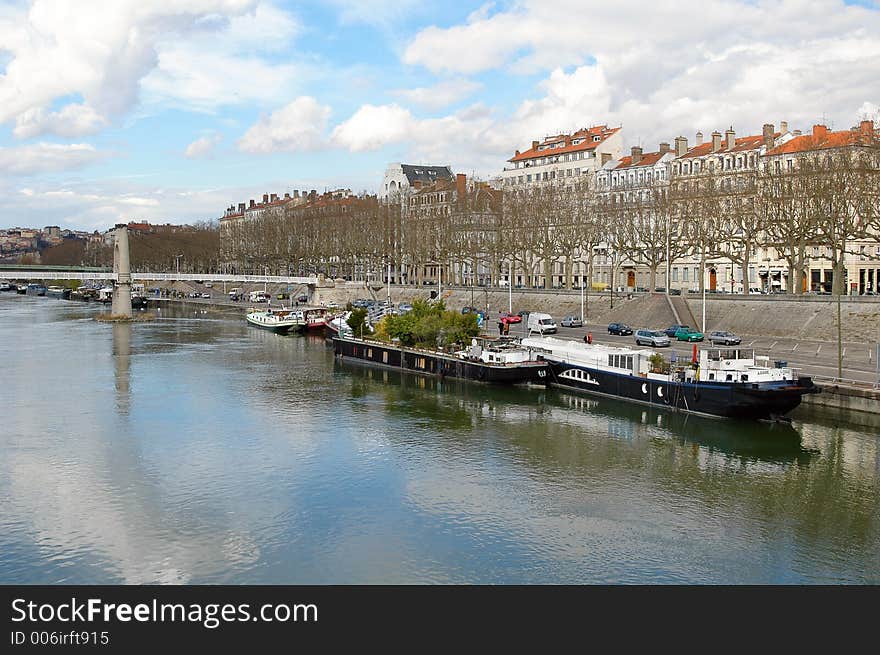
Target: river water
(194, 449)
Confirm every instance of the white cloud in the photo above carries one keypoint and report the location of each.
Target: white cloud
(672, 71)
(87, 65)
(298, 126)
(202, 147)
(73, 120)
(441, 94)
(373, 127)
(47, 158)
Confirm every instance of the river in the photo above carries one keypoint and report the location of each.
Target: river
(195, 449)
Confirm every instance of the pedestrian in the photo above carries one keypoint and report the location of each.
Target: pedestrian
(589, 337)
(500, 328)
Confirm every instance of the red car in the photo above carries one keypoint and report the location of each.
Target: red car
(508, 318)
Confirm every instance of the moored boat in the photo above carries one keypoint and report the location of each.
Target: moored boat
(277, 320)
(58, 292)
(486, 360)
(5, 285)
(718, 382)
(35, 290)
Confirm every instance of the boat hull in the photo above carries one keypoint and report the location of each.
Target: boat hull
(762, 401)
(431, 363)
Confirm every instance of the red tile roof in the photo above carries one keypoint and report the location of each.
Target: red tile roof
(741, 144)
(823, 140)
(648, 159)
(586, 134)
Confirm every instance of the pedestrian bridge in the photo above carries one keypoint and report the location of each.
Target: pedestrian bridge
(18, 272)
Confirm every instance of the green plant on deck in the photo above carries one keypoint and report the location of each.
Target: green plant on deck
(430, 325)
(357, 321)
(658, 363)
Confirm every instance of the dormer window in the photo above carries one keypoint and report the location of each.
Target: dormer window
(596, 139)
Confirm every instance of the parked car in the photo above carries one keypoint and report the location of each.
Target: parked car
(724, 338)
(686, 334)
(675, 292)
(209, 285)
(541, 323)
(651, 338)
(755, 291)
(206, 295)
(619, 328)
(507, 317)
(572, 322)
(672, 329)
(523, 314)
(404, 307)
(468, 310)
(303, 298)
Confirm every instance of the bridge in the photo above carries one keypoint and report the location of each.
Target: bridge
(73, 273)
(121, 275)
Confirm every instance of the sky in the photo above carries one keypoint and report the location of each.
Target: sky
(151, 110)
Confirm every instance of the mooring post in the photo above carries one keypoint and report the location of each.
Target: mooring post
(121, 305)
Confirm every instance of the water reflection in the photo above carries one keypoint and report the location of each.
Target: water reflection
(235, 455)
(122, 365)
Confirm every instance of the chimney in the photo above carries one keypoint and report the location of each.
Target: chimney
(768, 135)
(783, 126)
(681, 146)
(796, 133)
(866, 128)
(716, 141)
(664, 148)
(636, 154)
(265, 198)
(287, 196)
(241, 206)
(606, 157)
(252, 203)
(461, 186)
(699, 138)
(296, 193)
(273, 197)
(730, 138)
(819, 132)
(534, 144)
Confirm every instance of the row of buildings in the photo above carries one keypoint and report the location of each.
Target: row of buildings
(739, 183)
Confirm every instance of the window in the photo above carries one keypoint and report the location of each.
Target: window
(528, 178)
(790, 165)
(675, 274)
(385, 357)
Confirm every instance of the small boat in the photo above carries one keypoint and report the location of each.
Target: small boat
(105, 295)
(58, 292)
(21, 289)
(277, 320)
(501, 361)
(5, 286)
(138, 301)
(716, 382)
(35, 290)
(336, 326)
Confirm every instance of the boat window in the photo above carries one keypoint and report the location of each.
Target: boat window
(370, 353)
(385, 357)
(744, 378)
(711, 376)
(729, 377)
(621, 361)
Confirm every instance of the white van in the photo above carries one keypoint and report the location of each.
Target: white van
(259, 296)
(541, 323)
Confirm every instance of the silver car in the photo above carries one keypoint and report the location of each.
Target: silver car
(654, 338)
(572, 322)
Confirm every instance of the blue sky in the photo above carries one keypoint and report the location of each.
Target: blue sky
(140, 110)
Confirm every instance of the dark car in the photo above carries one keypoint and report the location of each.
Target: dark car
(468, 310)
(619, 328)
(724, 338)
(672, 329)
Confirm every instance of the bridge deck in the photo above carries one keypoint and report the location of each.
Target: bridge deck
(37, 274)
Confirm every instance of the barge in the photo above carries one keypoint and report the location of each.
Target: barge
(499, 361)
(717, 382)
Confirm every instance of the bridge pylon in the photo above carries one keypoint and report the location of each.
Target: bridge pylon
(121, 305)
